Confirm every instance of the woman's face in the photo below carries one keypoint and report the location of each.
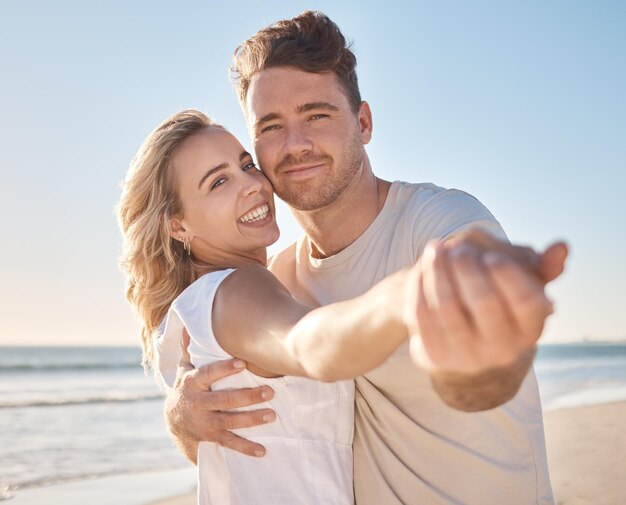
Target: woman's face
(227, 203)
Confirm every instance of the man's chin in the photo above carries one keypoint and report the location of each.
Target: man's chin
(305, 201)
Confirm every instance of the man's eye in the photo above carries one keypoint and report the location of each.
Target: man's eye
(248, 166)
(315, 117)
(218, 183)
(269, 128)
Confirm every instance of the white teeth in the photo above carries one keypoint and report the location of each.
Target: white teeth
(256, 214)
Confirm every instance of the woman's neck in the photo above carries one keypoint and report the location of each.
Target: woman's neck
(221, 261)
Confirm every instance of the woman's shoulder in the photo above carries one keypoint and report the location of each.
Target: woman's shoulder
(250, 280)
(203, 286)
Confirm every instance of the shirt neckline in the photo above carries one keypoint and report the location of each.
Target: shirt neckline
(304, 247)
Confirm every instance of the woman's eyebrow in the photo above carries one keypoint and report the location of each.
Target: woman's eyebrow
(209, 173)
(222, 166)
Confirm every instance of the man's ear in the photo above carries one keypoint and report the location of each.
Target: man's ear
(365, 122)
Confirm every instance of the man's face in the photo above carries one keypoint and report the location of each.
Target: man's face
(308, 141)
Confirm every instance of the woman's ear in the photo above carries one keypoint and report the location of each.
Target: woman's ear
(177, 230)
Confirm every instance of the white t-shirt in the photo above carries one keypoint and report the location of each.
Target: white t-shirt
(409, 447)
(309, 446)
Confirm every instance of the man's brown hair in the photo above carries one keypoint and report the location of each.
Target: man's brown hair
(309, 42)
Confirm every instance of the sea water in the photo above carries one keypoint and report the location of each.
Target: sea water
(581, 374)
(72, 413)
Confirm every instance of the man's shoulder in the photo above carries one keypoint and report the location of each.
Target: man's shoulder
(426, 196)
(427, 190)
(283, 263)
(425, 211)
(287, 255)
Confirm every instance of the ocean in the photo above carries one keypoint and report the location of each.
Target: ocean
(73, 413)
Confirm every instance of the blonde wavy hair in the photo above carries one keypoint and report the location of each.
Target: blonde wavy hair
(158, 268)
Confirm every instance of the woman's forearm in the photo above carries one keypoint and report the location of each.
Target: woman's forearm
(347, 339)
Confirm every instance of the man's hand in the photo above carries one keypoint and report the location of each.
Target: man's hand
(194, 413)
(477, 306)
(547, 266)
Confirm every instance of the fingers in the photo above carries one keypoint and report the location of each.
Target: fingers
(236, 420)
(552, 261)
(208, 374)
(524, 295)
(236, 398)
(441, 295)
(479, 303)
(526, 257)
(441, 319)
(478, 294)
(483, 241)
(236, 443)
(548, 266)
(218, 424)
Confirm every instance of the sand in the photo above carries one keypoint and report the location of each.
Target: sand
(586, 453)
(129, 489)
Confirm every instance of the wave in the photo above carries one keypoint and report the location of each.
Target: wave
(11, 490)
(57, 367)
(593, 396)
(90, 400)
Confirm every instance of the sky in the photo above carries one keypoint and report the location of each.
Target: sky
(519, 103)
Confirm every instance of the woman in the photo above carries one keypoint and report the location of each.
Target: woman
(197, 216)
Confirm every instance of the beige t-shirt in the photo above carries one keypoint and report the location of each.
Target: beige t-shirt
(409, 447)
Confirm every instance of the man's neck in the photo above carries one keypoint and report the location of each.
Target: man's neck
(335, 227)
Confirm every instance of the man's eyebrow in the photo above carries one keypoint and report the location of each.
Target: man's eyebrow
(268, 117)
(317, 106)
(302, 108)
(209, 173)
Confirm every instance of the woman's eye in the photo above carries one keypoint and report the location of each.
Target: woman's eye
(218, 182)
(248, 166)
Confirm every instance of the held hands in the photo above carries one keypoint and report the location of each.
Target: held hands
(476, 307)
(195, 413)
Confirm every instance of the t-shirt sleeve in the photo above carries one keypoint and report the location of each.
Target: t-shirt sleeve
(191, 310)
(448, 212)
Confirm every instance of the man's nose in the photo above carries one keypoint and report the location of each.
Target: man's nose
(297, 141)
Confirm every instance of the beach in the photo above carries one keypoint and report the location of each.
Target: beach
(586, 454)
(85, 425)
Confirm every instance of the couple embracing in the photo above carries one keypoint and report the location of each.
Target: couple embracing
(385, 357)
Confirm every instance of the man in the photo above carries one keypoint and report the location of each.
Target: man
(479, 309)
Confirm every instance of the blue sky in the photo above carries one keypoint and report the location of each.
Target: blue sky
(519, 103)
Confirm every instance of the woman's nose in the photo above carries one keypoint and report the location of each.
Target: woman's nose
(251, 183)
